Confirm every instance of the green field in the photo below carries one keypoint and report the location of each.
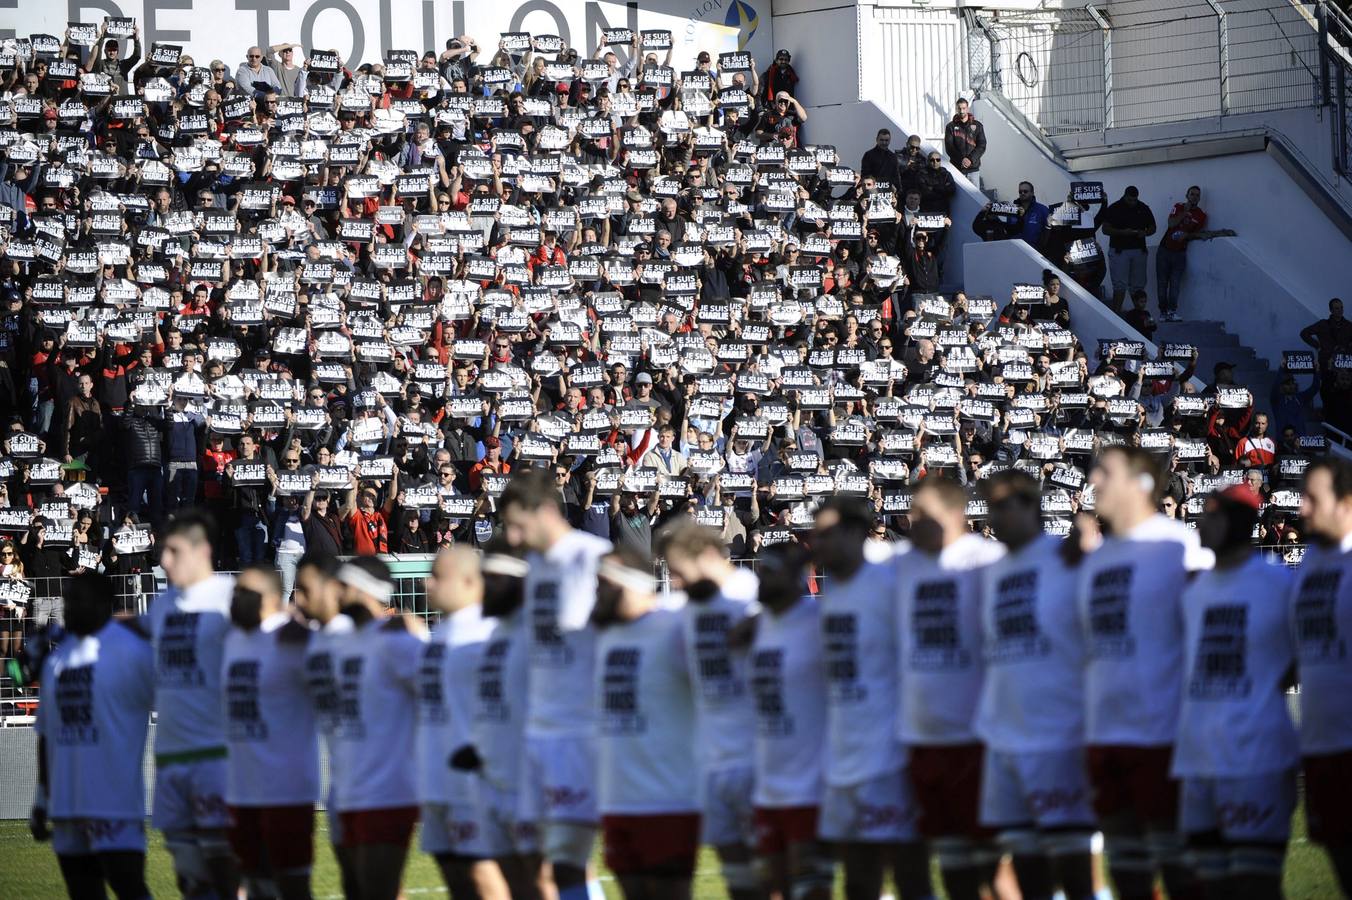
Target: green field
(28, 870)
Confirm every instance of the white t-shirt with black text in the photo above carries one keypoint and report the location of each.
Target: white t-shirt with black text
(188, 629)
(1321, 619)
(788, 682)
(645, 712)
(1233, 722)
(1128, 593)
(1032, 694)
(96, 699)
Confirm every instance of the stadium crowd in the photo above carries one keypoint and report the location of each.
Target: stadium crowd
(369, 311)
(339, 306)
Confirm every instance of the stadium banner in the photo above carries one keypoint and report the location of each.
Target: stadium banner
(367, 30)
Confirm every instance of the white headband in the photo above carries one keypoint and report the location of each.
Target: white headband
(501, 564)
(365, 582)
(625, 577)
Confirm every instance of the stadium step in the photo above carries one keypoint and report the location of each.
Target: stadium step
(1214, 344)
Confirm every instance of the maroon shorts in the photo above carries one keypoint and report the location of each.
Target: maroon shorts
(657, 845)
(273, 838)
(365, 827)
(1328, 798)
(1134, 780)
(947, 785)
(779, 828)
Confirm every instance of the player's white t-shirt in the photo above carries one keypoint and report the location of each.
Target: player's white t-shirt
(859, 646)
(645, 714)
(788, 682)
(269, 720)
(97, 693)
(560, 591)
(500, 702)
(188, 630)
(1233, 722)
(938, 627)
(718, 673)
(321, 672)
(1321, 618)
(373, 745)
(446, 693)
(1128, 594)
(1032, 695)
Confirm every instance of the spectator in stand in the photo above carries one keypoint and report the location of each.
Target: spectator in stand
(1126, 222)
(368, 523)
(965, 141)
(784, 114)
(1257, 449)
(780, 78)
(880, 162)
(290, 76)
(1289, 404)
(1139, 316)
(12, 611)
(1068, 222)
(1032, 215)
(255, 77)
(1329, 336)
(1187, 222)
(936, 185)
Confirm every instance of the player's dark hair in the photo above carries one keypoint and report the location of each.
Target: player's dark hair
(88, 602)
(268, 573)
(531, 489)
(855, 513)
(193, 524)
(1339, 471)
(1013, 483)
(324, 563)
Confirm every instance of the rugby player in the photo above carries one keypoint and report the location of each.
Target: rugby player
(1236, 750)
(646, 717)
(1034, 786)
(187, 623)
(1128, 593)
(720, 596)
(938, 627)
(1321, 614)
(868, 811)
(373, 745)
(558, 785)
(97, 695)
(788, 683)
(272, 770)
(451, 832)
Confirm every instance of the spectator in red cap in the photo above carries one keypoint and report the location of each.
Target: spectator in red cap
(492, 463)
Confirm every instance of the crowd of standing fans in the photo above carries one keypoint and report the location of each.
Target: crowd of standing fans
(340, 305)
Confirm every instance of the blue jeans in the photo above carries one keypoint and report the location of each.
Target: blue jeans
(251, 536)
(1169, 268)
(145, 492)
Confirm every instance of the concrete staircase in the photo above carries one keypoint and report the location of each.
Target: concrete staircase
(1214, 344)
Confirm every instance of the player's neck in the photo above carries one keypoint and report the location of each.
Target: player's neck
(194, 579)
(1233, 557)
(1132, 519)
(555, 533)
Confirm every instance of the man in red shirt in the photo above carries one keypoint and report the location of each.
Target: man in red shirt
(1187, 222)
(370, 525)
(492, 463)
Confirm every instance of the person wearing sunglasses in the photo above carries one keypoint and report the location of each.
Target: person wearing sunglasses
(253, 76)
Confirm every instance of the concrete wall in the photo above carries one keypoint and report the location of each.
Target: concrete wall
(1280, 272)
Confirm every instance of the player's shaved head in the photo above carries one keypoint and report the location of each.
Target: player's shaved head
(455, 581)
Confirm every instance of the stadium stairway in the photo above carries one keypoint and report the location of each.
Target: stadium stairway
(1214, 344)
